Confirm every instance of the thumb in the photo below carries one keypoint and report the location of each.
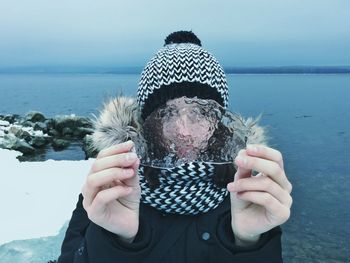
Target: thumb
(241, 171)
(133, 181)
(238, 204)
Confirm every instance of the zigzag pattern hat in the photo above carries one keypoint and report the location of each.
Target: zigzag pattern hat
(181, 68)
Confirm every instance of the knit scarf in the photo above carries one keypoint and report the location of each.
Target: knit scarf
(186, 189)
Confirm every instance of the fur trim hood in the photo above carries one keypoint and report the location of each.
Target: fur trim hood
(120, 120)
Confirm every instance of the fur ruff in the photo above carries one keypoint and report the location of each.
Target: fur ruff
(120, 120)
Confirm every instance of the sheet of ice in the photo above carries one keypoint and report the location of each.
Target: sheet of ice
(37, 198)
(190, 129)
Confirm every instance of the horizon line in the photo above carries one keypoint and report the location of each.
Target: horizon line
(285, 69)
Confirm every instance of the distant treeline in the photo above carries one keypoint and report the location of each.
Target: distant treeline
(137, 70)
(288, 70)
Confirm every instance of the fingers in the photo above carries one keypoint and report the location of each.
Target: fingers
(265, 153)
(115, 149)
(278, 213)
(262, 184)
(104, 177)
(117, 160)
(268, 167)
(113, 165)
(106, 196)
(95, 181)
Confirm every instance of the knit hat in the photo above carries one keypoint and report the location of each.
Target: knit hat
(181, 68)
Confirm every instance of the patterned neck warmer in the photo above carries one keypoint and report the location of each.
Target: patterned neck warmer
(187, 189)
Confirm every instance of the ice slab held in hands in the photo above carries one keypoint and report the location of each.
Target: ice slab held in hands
(190, 129)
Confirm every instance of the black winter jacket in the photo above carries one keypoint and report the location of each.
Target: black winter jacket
(167, 238)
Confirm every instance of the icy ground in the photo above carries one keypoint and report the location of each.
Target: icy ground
(36, 202)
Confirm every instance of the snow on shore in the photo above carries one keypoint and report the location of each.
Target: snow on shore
(37, 198)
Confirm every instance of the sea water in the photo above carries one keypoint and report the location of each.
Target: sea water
(307, 118)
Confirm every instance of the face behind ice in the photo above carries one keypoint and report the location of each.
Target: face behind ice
(191, 129)
(186, 127)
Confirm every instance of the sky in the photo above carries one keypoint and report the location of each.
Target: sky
(128, 33)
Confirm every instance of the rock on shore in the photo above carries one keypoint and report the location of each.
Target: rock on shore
(34, 132)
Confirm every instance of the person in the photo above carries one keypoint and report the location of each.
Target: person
(185, 217)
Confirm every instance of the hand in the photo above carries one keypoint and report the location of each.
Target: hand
(112, 191)
(261, 202)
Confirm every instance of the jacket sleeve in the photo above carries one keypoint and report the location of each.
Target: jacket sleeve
(267, 249)
(75, 233)
(87, 242)
(106, 247)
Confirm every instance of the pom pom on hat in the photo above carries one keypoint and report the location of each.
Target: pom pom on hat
(182, 37)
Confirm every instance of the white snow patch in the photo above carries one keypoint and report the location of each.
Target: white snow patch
(37, 198)
(4, 123)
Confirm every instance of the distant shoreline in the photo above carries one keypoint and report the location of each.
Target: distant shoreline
(137, 70)
(288, 70)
